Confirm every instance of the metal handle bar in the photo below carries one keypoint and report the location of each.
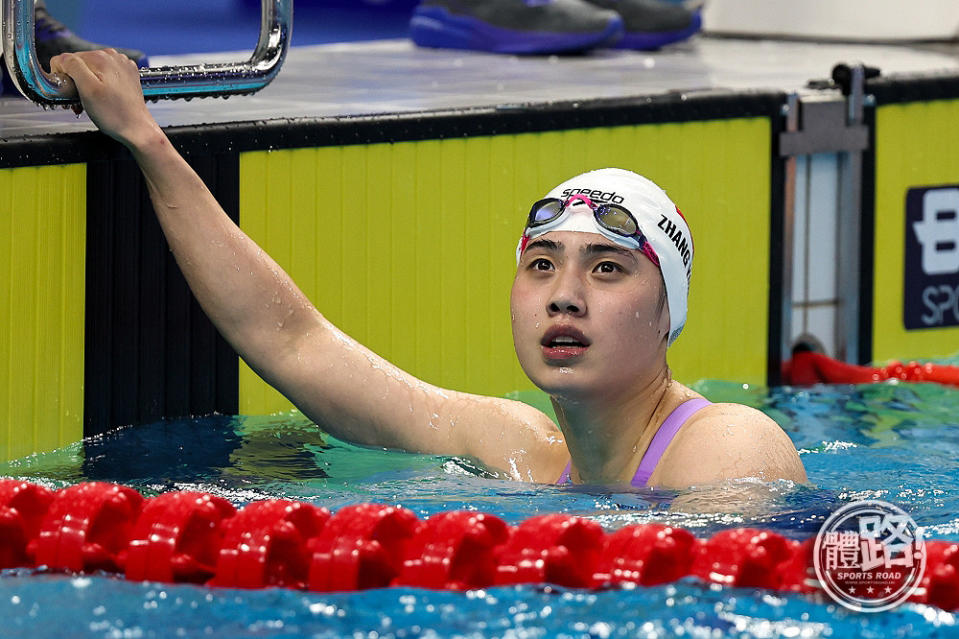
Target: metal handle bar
(159, 83)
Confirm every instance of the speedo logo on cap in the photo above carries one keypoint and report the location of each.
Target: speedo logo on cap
(607, 197)
(674, 233)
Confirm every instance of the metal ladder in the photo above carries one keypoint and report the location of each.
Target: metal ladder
(159, 83)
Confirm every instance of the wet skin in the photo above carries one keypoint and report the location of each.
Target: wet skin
(606, 299)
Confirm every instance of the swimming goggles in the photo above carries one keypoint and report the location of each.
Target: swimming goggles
(611, 217)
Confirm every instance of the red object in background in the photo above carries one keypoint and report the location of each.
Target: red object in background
(557, 549)
(454, 550)
(87, 527)
(264, 544)
(360, 547)
(177, 537)
(647, 554)
(743, 557)
(808, 367)
(22, 507)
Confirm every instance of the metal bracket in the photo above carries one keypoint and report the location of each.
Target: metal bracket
(828, 118)
(823, 123)
(204, 80)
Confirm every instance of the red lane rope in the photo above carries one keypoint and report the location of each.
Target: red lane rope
(194, 537)
(807, 367)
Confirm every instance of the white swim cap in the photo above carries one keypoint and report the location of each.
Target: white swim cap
(658, 218)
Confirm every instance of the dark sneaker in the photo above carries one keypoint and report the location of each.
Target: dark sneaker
(651, 24)
(53, 37)
(514, 26)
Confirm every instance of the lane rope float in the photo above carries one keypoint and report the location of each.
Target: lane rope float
(199, 538)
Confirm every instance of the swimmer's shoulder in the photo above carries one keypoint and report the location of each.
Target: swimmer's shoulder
(728, 441)
(515, 439)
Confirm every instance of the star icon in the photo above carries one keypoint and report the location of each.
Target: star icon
(852, 590)
(869, 590)
(888, 589)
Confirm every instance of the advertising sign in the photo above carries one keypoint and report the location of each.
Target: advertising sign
(931, 294)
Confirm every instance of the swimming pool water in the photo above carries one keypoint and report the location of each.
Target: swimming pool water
(896, 442)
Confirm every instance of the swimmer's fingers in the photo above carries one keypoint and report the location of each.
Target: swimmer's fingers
(73, 66)
(63, 79)
(109, 86)
(58, 70)
(95, 71)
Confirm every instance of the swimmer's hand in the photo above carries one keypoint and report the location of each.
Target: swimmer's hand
(109, 86)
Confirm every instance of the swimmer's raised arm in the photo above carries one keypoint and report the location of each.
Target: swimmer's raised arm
(354, 394)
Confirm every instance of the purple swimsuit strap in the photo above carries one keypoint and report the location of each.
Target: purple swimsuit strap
(664, 436)
(660, 443)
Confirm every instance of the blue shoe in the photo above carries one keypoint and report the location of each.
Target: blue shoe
(692, 5)
(515, 26)
(53, 38)
(652, 24)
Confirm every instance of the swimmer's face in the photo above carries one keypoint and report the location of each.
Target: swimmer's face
(589, 317)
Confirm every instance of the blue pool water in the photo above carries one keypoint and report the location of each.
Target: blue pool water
(897, 442)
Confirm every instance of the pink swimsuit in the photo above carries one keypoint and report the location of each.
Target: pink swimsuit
(660, 442)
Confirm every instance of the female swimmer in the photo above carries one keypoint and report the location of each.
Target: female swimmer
(599, 294)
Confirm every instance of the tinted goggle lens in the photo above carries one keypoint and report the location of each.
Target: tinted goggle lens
(612, 216)
(545, 211)
(617, 219)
